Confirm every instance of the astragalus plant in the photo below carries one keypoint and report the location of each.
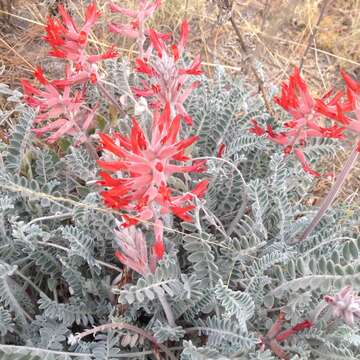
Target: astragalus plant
(148, 211)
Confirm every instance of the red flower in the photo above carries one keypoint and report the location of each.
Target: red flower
(142, 166)
(135, 29)
(158, 247)
(295, 97)
(146, 10)
(352, 104)
(39, 75)
(60, 108)
(70, 43)
(146, 165)
(305, 111)
(166, 79)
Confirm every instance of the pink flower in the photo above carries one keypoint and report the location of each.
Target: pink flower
(166, 79)
(345, 305)
(133, 249)
(61, 108)
(136, 28)
(305, 111)
(70, 43)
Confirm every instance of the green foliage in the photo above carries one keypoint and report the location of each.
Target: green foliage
(192, 352)
(226, 335)
(225, 277)
(19, 142)
(163, 332)
(164, 282)
(236, 303)
(6, 323)
(72, 312)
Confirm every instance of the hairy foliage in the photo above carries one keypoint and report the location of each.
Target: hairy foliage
(224, 276)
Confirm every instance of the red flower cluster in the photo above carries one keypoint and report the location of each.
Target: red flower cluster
(166, 79)
(70, 43)
(136, 28)
(57, 102)
(61, 104)
(142, 165)
(142, 168)
(351, 104)
(306, 112)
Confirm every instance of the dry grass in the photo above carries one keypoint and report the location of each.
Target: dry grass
(277, 31)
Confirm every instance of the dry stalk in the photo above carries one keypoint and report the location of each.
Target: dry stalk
(314, 32)
(225, 7)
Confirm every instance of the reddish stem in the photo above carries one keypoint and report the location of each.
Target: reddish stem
(292, 331)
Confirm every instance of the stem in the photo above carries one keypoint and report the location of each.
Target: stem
(238, 215)
(313, 34)
(264, 13)
(58, 216)
(249, 59)
(18, 349)
(326, 203)
(89, 146)
(276, 326)
(242, 209)
(226, 162)
(91, 149)
(166, 307)
(129, 327)
(102, 263)
(26, 279)
(102, 89)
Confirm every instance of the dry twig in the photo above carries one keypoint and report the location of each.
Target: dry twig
(226, 5)
(313, 33)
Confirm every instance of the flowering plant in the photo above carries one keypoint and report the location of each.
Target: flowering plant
(129, 243)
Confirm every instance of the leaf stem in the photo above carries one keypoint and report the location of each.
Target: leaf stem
(103, 90)
(76, 355)
(51, 217)
(328, 200)
(32, 284)
(166, 307)
(125, 326)
(99, 262)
